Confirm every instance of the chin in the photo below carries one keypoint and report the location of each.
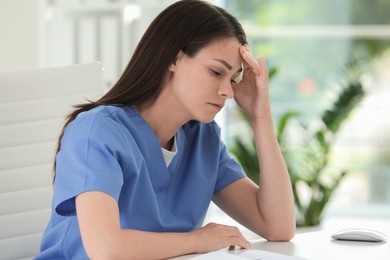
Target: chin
(205, 116)
(205, 119)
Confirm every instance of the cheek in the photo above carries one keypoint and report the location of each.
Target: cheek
(192, 84)
(188, 82)
(182, 89)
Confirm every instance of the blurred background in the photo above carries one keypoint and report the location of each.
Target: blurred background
(324, 56)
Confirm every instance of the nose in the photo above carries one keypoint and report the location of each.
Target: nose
(226, 90)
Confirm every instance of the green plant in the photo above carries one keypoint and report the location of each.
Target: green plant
(307, 159)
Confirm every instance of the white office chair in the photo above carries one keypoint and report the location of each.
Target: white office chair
(33, 106)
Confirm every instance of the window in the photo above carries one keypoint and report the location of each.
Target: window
(310, 43)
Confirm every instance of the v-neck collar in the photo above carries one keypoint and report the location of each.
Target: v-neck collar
(155, 159)
(161, 176)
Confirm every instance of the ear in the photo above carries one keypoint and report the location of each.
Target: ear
(179, 56)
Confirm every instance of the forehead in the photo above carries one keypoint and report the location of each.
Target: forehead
(224, 49)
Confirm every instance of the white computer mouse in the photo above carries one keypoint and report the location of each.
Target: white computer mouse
(360, 234)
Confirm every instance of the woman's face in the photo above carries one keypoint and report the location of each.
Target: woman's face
(203, 83)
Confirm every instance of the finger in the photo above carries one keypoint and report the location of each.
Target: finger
(232, 230)
(236, 241)
(263, 67)
(243, 49)
(236, 233)
(250, 61)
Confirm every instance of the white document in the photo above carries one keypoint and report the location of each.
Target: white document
(254, 254)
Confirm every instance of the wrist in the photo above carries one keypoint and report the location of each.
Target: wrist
(262, 120)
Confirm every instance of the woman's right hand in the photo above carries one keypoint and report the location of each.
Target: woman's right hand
(214, 236)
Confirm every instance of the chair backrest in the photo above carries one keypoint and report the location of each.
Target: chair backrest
(33, 106)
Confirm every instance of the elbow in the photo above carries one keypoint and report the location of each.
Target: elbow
(103, 248)
(280, 237)
(111, 249)
(103, 253)
(106, 254)
(280, 234)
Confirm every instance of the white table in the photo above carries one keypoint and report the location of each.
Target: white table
(318, 245)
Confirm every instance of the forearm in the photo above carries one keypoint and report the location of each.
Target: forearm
(103, 238)
(275, 197)
(211, 237)
(135, 244)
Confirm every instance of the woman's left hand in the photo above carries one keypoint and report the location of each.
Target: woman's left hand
(251, 93)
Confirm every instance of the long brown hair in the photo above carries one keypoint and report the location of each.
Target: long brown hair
(188, 26)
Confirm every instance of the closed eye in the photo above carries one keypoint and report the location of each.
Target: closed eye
(216, 73)
(219, 74)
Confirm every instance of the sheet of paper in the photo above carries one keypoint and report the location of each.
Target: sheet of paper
(254, 254)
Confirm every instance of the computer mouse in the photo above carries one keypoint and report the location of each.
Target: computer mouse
(355, 234)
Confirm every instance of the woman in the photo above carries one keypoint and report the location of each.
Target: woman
(136, 170)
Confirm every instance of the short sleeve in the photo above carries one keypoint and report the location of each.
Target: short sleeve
(229, 169)
(89, 160)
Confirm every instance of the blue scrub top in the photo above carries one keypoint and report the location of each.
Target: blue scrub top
(113, 150)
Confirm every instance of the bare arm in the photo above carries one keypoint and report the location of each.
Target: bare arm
(275, 196)
(267, 209)
(103, 238)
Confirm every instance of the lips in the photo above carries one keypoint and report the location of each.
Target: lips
(219, 106)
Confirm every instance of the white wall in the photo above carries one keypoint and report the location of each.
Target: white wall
(19, 34)
(35, 34)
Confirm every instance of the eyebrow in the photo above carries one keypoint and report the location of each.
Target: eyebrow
(227, 65)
